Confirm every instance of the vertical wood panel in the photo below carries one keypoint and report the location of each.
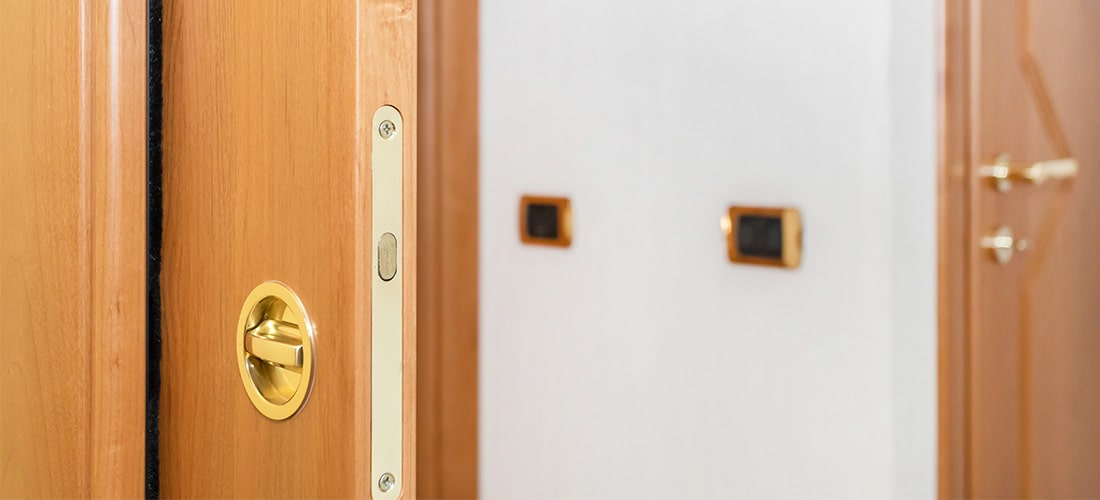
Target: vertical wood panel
(46, 282)
(448, 284)
(72, 248)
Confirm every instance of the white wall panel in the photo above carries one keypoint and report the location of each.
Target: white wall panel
(640, 362)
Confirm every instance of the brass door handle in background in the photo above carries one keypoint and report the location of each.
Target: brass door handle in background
(1002, 244)
(1003, 171)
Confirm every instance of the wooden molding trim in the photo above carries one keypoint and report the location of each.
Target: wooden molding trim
(953, 229)
(115, 73)
(447, 346)
(72, 237)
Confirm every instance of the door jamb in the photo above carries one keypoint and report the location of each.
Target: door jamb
(953, 232)
(447, 286)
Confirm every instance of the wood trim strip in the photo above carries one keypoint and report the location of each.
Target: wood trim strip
(448, 281)
(114, 77)
(953, 229)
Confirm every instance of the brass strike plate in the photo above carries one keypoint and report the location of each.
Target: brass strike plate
(764, 236)
(275, 352)
(387, 303)
(546, 220)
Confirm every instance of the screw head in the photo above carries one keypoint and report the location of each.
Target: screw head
(387, 129)
(387, 481)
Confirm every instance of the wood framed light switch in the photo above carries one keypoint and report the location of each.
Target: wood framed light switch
(763, 236)
(545, 220)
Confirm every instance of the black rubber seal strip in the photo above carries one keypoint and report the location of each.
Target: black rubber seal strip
(154, 216)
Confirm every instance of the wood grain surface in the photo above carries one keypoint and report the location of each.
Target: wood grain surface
(447, 346)
(267, 144)
(72, 248)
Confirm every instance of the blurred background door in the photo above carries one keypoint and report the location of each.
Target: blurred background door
(1025, 79)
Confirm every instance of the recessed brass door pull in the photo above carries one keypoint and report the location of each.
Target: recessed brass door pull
(275, 350)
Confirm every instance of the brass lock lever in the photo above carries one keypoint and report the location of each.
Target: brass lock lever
(272, 341)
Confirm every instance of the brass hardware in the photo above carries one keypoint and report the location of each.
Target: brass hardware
(546, 220)
(774, 237)
(387, 256)
(1002, 244)
(279, 352)
(1003, 172)
(275, 350)
(387, 303)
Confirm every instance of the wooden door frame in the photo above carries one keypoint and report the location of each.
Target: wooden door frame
(447, 321)
(953, 233)
(74, 418)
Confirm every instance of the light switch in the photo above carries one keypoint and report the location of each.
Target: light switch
(545, 220)
(763, 236)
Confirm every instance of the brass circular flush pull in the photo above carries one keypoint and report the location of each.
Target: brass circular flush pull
(275, 350)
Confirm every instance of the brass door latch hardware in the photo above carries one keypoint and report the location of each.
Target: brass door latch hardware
(387, 304)
(1003, 172)
(275, 350)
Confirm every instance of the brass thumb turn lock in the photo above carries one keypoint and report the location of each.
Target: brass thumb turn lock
(1002, 243)
(275, 350)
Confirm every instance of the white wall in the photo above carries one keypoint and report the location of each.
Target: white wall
(640, 362)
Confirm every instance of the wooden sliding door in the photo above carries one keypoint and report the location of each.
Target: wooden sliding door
(269, 162)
